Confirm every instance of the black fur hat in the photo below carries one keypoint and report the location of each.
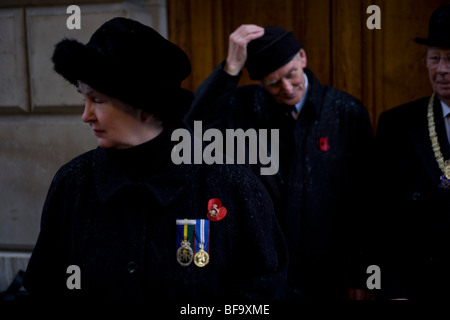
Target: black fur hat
(131, 62)
(271, 51)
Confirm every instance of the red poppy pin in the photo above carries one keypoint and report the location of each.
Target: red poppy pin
(323, 144)
(216, 211)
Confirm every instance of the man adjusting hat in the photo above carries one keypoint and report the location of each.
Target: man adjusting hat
(325, 145)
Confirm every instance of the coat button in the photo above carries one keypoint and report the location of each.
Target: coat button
(131, 267)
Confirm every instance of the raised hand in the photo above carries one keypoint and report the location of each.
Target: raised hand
(237, 48)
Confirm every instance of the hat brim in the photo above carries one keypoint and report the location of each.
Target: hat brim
(442, 43)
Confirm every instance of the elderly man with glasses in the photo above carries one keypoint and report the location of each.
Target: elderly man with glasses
(413, 147)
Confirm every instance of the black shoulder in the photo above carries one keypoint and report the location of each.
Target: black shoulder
(344, 100)
(245, 96)
(348, 109)
(66, 180)
(401, 119)
(238, 177)
(406, 111)
(76, 167)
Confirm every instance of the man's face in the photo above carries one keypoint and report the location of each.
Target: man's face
(287, 84)
(438, 64)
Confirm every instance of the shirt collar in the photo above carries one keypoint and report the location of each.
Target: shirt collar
(301, 103)
(445, 109)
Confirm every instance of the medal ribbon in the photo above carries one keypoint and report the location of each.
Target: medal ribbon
(186, 231)
(202, 233)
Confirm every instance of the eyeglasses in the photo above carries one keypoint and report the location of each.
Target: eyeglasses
(432, 61)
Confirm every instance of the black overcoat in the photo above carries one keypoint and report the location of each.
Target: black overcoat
(321, 187)
(415, 228)
(113, 214)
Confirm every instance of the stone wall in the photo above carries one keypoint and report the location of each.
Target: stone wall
(40, 113)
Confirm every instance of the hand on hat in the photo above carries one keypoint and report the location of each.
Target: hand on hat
(237, 48)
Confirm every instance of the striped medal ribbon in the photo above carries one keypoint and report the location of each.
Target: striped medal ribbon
(201, 257)
(186, 239)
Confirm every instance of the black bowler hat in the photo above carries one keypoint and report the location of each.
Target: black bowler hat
(271, 51)
(439, 29)
(130, 61)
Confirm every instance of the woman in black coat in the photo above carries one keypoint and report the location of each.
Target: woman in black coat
(123, 221)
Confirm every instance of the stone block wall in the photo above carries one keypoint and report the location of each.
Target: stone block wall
(40, 113)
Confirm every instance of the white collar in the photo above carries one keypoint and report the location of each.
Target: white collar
(445, 109)
(300, 104)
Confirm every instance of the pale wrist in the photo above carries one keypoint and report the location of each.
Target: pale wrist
(232, 69)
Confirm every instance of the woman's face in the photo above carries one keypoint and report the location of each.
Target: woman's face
(115, 124)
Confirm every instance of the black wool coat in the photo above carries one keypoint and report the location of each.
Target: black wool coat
(113, 214)
(415, 225)
(320, 193)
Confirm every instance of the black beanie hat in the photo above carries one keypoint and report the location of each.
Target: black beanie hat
(439, 28)
(271, 51)
(131, 62)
